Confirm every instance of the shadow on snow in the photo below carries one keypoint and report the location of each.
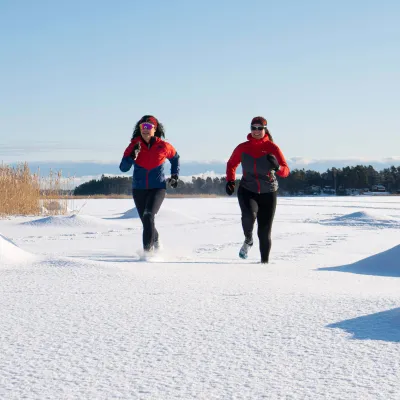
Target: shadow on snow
(383, 326)
(386, 263)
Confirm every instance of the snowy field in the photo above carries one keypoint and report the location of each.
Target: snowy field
(83, 318)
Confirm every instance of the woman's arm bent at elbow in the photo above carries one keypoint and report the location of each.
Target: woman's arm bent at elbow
(126, 164)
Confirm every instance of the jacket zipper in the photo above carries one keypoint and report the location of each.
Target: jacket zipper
(256, 175)
(147, 171)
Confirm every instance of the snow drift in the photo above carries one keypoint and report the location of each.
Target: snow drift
(11, 253)
(363, 218)
(384, 326)
(132, 213)
(166, 214)
(386, 263)
(68, 221)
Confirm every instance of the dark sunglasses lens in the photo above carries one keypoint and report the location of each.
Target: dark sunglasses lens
(257, 128)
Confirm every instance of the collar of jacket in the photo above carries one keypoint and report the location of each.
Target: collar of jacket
(153, 139)
(257, 141)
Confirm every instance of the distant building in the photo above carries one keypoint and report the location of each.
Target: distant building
(313, 189)
(328, 190)
(378, 188)
(353, 192)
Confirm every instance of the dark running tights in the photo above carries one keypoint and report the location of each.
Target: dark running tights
(148, 203)
(261, 207)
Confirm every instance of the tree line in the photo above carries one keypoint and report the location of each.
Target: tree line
(300, 181)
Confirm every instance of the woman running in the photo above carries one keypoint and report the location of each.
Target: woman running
(147, 153)
(261, 159)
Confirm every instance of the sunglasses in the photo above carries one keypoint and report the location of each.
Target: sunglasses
(257, 128)
(147, 126)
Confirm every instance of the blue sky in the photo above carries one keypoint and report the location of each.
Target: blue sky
(75, 76)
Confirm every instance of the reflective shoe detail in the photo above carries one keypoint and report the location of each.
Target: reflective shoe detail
(244, 250)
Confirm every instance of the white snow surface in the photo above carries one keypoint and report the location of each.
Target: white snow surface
(10, 253)
(83, 316)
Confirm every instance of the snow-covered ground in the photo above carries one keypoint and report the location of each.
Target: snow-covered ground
(83, 318)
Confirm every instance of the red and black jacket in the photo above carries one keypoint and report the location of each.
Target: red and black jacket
(258, 175)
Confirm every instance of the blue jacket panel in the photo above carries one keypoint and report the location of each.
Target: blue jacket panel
(153, 178)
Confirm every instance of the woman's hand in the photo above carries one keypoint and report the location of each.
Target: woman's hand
(273, 161)
(230, 187)
(135, 151)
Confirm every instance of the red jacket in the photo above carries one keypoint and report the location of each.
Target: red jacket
(148, 172)
(257, 172)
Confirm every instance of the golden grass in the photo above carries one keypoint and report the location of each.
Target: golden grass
(53, 202)
(24, 193)
(19, 190)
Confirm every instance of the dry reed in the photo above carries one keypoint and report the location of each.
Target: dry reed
(52, 199)
(19, 190)
(24, 193)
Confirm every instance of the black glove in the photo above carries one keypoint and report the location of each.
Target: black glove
(173, 181)
(230, 187)
(135, 151)
(273, 161)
